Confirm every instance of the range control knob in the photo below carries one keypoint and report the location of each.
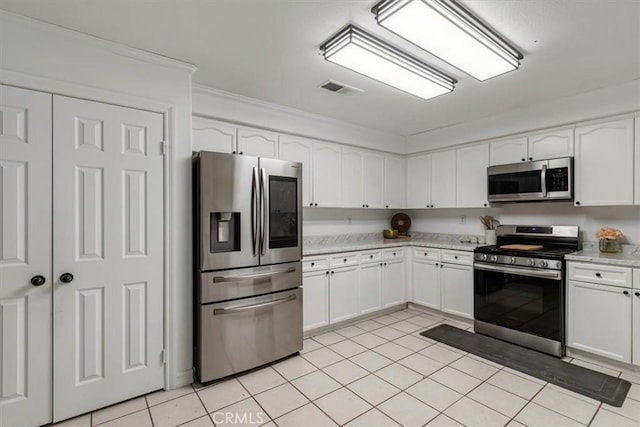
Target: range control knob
(483, 257)
(544, 264)
(494, 258)
(531, 261)
(512, 260)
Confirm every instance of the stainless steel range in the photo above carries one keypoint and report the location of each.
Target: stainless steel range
(519, 286)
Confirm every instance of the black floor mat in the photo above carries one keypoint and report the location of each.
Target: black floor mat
(595, 385)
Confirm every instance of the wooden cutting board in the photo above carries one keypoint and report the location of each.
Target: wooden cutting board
(519, 247)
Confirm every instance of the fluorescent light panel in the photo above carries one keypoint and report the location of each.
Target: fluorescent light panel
(448, 31)
(354, 49)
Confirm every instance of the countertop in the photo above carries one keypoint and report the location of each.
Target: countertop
(328, 248)
(627, 258)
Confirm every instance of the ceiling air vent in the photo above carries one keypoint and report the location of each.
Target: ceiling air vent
(341, 88)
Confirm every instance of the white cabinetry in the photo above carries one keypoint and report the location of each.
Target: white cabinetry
(507, 151)
(635, 353)
(443, 179)
(299, 150)
(393, 277)
(210, 135)
(370, 281)
(257, 142)
(352, 188)
(457, 289)
(343, 293)
(636, 184)
(600, 315)
(315, 299)
(327, 174)
(548, 144)
(418, 190)
(374, 177)
(604, 164)
(471, 176)
(426, 277)
(394, 182)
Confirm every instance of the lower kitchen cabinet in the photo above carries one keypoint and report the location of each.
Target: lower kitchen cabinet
(426, 283)
(457, 289)
(636, 316)
(343, 293)
(315, 299)
(393, 277)
(370, 287)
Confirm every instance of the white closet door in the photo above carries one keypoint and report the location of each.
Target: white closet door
(108, 233)
(25, 252)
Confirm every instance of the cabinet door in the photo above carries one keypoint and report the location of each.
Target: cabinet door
(373, 180)
(551, 144)
(343, 293)
(299, 150)
(471, 176)
(393, 283)
(370, 287)
(604, 164)
(25, 230)
(327, 169)
(209, 135)
(457, 290)
(418, 190)
(352, 188)
(426, 283)
(255, 142)
(636, 320)
(315, 300)
(507, 151)
(443, 179)
(599, 320)
(636, 184)
(394, 182)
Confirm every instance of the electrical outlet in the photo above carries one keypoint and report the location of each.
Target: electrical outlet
(463, 219)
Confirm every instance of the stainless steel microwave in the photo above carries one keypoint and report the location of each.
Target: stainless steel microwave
(531, 181)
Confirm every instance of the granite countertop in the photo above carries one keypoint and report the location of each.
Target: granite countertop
(322, 248)
(629, 257)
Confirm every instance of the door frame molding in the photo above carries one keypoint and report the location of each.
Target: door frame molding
(56, 87)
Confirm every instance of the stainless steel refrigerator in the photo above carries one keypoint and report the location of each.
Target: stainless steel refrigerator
(247, 269)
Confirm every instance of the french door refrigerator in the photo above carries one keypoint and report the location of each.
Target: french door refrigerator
(247, 269)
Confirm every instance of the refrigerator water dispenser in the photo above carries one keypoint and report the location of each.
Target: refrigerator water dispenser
(225, 231)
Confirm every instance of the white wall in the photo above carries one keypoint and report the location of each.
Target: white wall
(323, 221)
(44, 57)
(589, 219)
(251, 112)
(585, 106)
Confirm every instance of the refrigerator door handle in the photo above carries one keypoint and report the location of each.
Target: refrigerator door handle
(219, 279)
(254, 210)
(263, 211)
(235, 309)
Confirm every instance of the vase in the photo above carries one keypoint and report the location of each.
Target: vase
(609, 246)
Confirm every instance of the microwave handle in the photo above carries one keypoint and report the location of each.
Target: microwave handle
(543, 177)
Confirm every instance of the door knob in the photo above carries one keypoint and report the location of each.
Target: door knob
(38, 280)
(66, 278)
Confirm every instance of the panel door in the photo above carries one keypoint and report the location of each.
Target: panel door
(604, 164)
(471, 176)
(551, 144)
(108, 234)
(418, 190)
(255, 142)
(370, 287)
(443, 179)
(352, 188)
(636, 184)
(426, 283)
(394, 182)
(343, 293)
(599, 320)
(457, 290)
(373, 164)
(393, 283)
(25, 252)
(508, 151)
(315, 301)
(635, 337)
(209, 135)
(299, 150)
(327, 179)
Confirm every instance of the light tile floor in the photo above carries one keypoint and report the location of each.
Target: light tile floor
(379, 372)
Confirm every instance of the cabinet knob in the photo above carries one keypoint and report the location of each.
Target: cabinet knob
(626, 292)
(637, 294)
(66, 278)
(371, 256)
(577, 203)
(38, 280)
(385, 263)
(432, 206)
(523, 159)
(598, 275)
(485, 205)
(241, 153)
(310, 204)
(437, 264)
(345, 260)
(530, 158)
(312, 264)
(441, 265)
(386, 206)
(394, 254)
(332, 273)
(315, 204)
(363, 206)
(327, 273)
(426, 253)
(367, 205)
(233, 152)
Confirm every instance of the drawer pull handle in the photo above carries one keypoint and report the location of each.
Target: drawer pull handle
(371, 256)
(394, 254)
(312, 264)
(426, 253)
(598, 275)
(455, 256)
(218, 279)
(626, 292)
(218, 311)
(345, 260)
(637, 294)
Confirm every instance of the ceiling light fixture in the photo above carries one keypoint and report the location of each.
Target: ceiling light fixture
(361, 52)
(448, 31)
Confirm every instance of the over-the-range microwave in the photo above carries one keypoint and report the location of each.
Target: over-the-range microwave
(531, 181)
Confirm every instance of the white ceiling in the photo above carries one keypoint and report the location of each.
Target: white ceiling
(269, 50)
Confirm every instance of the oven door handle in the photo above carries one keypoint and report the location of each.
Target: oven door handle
(238, 308)
(544, 274)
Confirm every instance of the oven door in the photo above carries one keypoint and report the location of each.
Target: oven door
(527, 300)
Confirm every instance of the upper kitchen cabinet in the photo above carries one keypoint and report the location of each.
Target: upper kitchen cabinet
(471, 176)
(507, 151)
(257, 142)
(636, 185)
(300, 150)
(394, 182)
(604, 164)
(548, 144)
(418, 190)
(210, 135)
(443, 179)
(352, 188)
(374, 179)
(327, 174)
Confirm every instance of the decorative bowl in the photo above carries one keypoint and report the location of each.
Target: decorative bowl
(390, 234)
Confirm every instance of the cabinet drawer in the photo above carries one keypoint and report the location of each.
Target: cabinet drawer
(457, 257)
(393, 253)
(315, 263)
(602, 274)
(426, 253)
(343, 260)
(370, 256)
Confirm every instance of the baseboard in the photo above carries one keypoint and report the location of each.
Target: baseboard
(182, 379)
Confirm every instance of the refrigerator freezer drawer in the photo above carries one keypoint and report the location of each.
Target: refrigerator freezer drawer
(239, 335)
